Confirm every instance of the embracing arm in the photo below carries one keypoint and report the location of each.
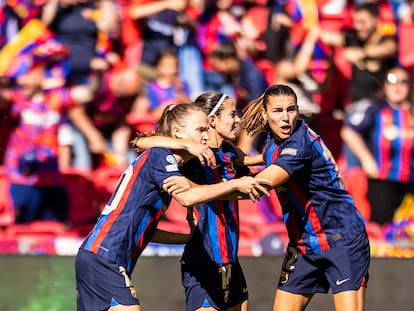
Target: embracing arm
(253, 160)
(166, 237)
(275, 174)
(233, 189)
(202, 152)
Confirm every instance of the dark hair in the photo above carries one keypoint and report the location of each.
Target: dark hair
(164, 53)
(371, 8)
(252, 119)
(208, 100)
(225, 50)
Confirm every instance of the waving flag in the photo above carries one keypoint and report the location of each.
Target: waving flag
(34, 44)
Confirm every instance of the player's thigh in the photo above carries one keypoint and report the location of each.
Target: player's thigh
(285, 301)
(352, 300)
(125, 308)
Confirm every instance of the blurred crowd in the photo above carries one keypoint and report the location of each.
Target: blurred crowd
(79, 78)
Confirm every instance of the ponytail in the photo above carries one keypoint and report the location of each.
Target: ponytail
(252, 119)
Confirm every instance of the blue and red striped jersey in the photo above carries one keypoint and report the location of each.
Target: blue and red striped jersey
(131, 215)
(389, 134)
(215, 239)
(318, 211)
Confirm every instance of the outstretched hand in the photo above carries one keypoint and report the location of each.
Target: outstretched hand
(253, 187)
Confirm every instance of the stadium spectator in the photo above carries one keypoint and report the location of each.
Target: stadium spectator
(370, 54)
(370, 51)
(167, 88)
(32, 152)
(113, 96)
(216, 24)
(157, 21)
(383, 142)
(97, 23)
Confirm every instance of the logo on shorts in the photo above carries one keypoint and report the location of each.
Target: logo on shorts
(339, 282)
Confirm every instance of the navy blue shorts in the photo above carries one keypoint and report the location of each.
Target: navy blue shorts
(101, 283)
(342, 268)
(220, 287)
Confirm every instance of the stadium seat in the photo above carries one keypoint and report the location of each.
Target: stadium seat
(6, 205)
(176, 213)
(105, 179)
(36, 229)
(141, 123)
(83, 203)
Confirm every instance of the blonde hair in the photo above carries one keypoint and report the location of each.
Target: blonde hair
(172, 115)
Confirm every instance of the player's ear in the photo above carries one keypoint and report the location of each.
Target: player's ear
(176, 132)
(264, 116)
(212, 121)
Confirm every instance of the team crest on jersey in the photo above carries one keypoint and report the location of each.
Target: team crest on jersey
(289, 151)
(173, 167)
(280, 189)
(133, 292)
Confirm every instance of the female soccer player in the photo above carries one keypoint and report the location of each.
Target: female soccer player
(212, 276)
(109, 253)
(328, 245)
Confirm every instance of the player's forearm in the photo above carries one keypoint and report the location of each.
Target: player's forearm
(203, 193)
(356, 144)
(253, 160)
(161, 141)
(166, 237)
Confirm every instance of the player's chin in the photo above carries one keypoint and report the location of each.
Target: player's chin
(231, 136)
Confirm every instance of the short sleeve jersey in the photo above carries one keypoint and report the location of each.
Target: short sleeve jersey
(318, 212)
(215, 239)
(131, 215)
(388, 132)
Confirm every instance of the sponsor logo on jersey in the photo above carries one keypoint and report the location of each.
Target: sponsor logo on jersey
(289, 151)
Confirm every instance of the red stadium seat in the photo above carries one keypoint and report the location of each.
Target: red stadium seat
(105, 179)
(176, 213)
(36, 229)
(37, 237)
(405, 45)
(83, 204)
(6, 205)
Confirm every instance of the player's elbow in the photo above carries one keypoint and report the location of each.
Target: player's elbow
(185, 199)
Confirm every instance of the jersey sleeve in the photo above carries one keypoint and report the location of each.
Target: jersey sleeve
(294, 156)
(163, 165)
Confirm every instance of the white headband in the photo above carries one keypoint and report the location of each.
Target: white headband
(217, 106)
